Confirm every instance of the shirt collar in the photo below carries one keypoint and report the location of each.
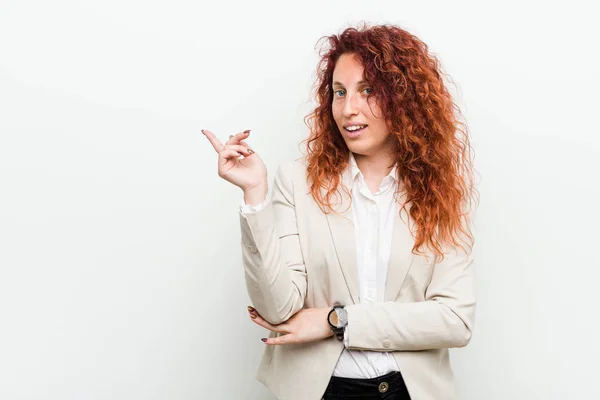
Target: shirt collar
(354, 171)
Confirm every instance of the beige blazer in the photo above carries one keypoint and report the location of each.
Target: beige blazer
(295, 256)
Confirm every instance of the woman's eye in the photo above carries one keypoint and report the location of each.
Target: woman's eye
(341, 90)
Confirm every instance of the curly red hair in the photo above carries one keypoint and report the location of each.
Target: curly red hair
(433, 150)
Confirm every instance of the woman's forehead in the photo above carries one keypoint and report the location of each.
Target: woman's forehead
(348, 69)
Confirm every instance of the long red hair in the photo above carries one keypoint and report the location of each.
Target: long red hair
(433, 152)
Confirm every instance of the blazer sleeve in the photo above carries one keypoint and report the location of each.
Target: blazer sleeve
(445, 319)
(274, 268)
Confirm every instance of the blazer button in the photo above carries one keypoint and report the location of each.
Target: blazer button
(387, 344)
(252, 248)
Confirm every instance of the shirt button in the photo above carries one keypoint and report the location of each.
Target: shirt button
(252, 248)
(387, 344)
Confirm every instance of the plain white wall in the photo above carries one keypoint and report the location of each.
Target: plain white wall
(120, 261)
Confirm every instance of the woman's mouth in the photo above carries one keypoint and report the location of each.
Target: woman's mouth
(355, 131)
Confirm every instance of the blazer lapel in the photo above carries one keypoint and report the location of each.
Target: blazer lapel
(401, 256)
(341, 227)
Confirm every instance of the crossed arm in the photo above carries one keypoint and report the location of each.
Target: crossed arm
(275, 276)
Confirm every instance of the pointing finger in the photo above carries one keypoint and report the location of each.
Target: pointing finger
(216, 143)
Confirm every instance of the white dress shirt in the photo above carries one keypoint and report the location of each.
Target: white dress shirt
(373, 215)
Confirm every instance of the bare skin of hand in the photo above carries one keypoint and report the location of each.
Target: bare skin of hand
(307, 325)
(247, 173)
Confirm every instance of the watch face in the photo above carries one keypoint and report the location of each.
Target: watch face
(342, 317)
(331, 317)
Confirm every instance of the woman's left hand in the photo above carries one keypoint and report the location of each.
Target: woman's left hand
(307, 325)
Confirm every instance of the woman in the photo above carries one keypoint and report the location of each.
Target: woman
(360, 264)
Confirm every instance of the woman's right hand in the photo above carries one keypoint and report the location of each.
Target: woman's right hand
(248, 173)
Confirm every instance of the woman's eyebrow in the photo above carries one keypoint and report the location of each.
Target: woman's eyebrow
(339, 84)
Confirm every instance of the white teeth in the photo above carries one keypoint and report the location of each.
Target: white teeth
(355, 127)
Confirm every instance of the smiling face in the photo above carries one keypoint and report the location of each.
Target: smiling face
(351, 109)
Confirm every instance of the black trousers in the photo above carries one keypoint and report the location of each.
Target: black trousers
(385, 387)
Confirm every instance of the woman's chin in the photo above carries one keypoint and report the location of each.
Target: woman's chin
(358, 147)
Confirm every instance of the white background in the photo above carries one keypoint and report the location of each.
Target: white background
(120, 260)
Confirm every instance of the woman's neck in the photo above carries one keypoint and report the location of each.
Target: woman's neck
(374, 168)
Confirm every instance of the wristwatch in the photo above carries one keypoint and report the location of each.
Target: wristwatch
(338, 319)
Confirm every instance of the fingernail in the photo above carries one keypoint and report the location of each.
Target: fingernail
(247, 131)
(251, 309)
(250, 151)
(230, 136)
(202, 130)
(252, 316)
(264, 339)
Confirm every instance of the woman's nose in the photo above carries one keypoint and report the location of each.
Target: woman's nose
(350, 105)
